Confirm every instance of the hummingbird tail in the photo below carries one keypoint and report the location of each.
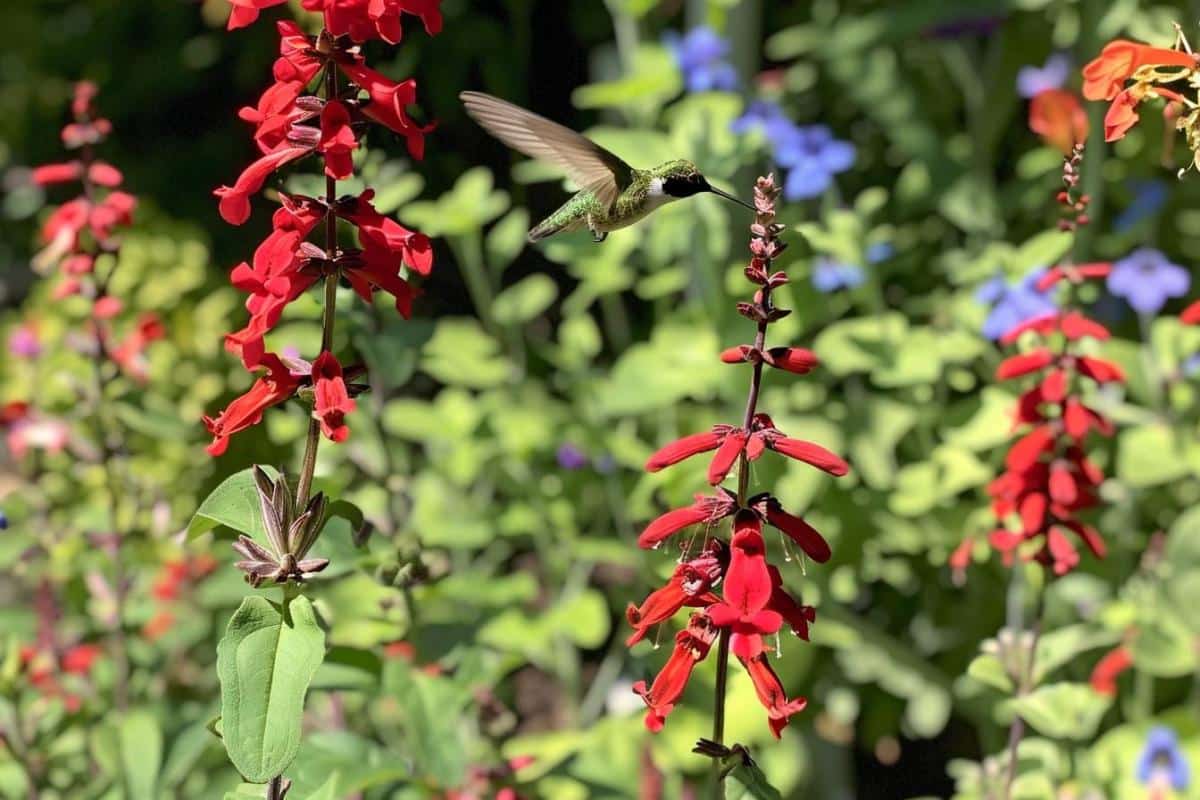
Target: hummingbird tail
(544, 229)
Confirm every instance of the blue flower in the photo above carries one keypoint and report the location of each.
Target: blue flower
(769, 118)
(1035, 80)
(880, 251)
(3, 521)
(1012, 305)
(1148, 199)
(1191, 365)
(1146, 279)
(700, 56)
(829, 275)
(1161, 760)
(814, 157)
(571, 457)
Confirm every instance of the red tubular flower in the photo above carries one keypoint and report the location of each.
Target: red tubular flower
(1059, 552)
(235, 200)
(57, 173)
(105, 175)
(738, 354)
(690, 585)
(1075, 273)
(389, 100)
(1023, 364)
(338, 142)
(804, 535)
(383, 234)
(1109, 668)
(1191, 314)
(771, 693)
(747, 589)
(1076, 326)
(246, 411)
(691, 646)
(723, 460)
(245, 12)
(1030, 448)
(79, 659)
(706, 509)
(1105, 75)
(686, 447)
(792, 359)
(1059, 118)
(331, 401)
(375, 19)
(808, 452)
(1099, 370)
(797, 616)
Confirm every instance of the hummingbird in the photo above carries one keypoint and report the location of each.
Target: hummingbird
(611, 193)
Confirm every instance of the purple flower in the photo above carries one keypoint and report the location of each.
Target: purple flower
(829, 276)
(1148, 199)
(1012, 305)
(1035, 80)
(23, 342)
(814, 157)
(1146, 279)
(3, 521)
(880, 251)
(700, 56)
(1191, 365)
(1162, 762)
(571, 457)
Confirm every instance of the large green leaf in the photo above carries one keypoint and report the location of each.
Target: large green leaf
(233, 504)
(525, 299)
(141, 754)
(1062, 710)
(265, 662)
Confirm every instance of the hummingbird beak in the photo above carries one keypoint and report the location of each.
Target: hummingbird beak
(728, 196)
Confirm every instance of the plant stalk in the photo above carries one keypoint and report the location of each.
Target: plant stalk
(1024, 685)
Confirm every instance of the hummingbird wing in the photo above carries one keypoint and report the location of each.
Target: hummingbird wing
(589, 165)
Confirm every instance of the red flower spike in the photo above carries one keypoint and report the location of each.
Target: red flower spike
(726, 455)
(806, 537)
(1105, 75)
(686, 447)
(691, 647)
(792, 359)
(1023, 364)
(246, 411)
(1109, 668)
(331, 401)
(771, 693)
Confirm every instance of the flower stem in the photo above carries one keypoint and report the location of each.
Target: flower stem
(1024, 685)
(275, 788)
(313, 440)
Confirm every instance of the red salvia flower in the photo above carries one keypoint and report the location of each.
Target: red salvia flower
(691, 647)
(747, 590)
(246, 411)
(337, 141)
(331, 401)
(1105, 75)
(771, 693)
(707, 509)
(235, 200)
(1109, 668)
(690, 585)
(245, 12)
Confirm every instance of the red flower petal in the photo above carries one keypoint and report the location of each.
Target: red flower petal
(727, 453)
(771, 694)
(1062, 484)
(1076, 326)
(1029, 448)
(1100, 370)
(1105, 74)
(1191, 314)
(738, 354)
(809, 453)
(1062, 553)
(804, 535)
(792, 359)
(1023, 364)
(1109, 668)
(683, 448)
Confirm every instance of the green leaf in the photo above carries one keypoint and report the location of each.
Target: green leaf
(141, 754)
(506, 239)
(745, 781)
(431, 719)
(328, 790)
(265, 662)
(525, 299)
(1062, 710)
(461, 353)
(233, 504)
(1151, 455)
(987, 669)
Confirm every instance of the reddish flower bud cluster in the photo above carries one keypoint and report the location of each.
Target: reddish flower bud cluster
(736, 592)
(1049, 478)
(290, 123)
(81, 230)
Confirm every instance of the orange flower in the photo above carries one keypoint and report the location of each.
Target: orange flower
(1122, 115)
(1058, 117)
(1105, 75)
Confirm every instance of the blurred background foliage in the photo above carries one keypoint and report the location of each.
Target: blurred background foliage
(478, 615)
